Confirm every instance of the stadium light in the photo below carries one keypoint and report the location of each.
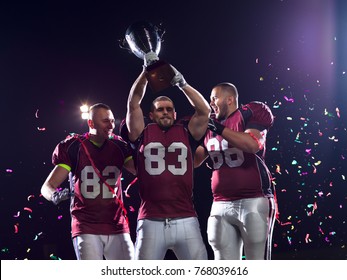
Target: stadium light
(84, 112)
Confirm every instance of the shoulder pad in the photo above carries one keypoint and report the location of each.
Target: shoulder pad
(261, 116)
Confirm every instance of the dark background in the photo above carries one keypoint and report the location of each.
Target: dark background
(57, 55)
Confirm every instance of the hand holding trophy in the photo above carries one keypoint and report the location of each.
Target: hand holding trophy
(144, 40)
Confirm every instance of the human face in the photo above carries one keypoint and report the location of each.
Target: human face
(219, 103)
(102, 123)
(163, 114)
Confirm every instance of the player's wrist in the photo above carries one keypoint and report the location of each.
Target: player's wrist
(216, 127)
(60, 195)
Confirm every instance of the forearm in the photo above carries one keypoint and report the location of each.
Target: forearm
(134, 116)
(199, 121)
(249, 141)
(47, 191)
(195, 98)
(137, 92)
(244, 141)
(54, 180)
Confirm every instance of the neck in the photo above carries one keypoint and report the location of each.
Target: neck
(230, 112)
(98, 141)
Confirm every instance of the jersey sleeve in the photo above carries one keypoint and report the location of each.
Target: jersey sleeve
(60, 154)
(260, 116)
(123, 130)
(123, 146)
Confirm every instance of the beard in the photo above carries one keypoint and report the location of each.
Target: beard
(165, 123)
(222, 112)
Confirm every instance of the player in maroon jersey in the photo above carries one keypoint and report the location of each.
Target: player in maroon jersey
(242, 213)
(94, 162)
(164, 164)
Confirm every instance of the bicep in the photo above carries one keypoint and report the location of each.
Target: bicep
(57, 176)
(197, 126)
(135, 123)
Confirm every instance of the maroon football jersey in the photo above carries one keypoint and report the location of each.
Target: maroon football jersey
(165, 172)
(237, 174)
(94, 208)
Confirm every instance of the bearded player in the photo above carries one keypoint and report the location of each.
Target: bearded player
(164, 163)
(243, 208)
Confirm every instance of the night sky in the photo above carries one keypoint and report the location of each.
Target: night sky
(292, 55)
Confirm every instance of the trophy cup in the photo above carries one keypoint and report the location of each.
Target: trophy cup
(144, 40)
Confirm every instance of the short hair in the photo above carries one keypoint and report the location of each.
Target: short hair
(97, 106)
(161, 98)
(229, 88)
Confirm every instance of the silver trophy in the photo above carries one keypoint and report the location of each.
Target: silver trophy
(144, 40)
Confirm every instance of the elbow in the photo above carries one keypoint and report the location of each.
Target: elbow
(43, 189)
(196, 164)
(46, 192)
(255, 144)
(207, 110)
(251, 148)
(254, 150)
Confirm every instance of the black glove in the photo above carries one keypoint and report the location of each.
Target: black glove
(59, 196)
(178, 79)
(215, 126)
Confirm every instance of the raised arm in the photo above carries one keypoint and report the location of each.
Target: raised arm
(199, 121)
(134, 117)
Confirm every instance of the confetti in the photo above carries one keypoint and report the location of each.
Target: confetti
(53, 257)
(16, 228)
(28, 209)
(306, 152)
(128, 187)
(289, 99)
(17, 215)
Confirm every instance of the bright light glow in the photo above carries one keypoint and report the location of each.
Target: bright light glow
(84, 108)
(84, 112)
(85, 115)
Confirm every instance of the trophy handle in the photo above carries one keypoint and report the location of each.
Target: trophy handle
(161, 31)
(123, 44)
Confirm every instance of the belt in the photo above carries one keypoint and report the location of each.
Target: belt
(164, 219)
